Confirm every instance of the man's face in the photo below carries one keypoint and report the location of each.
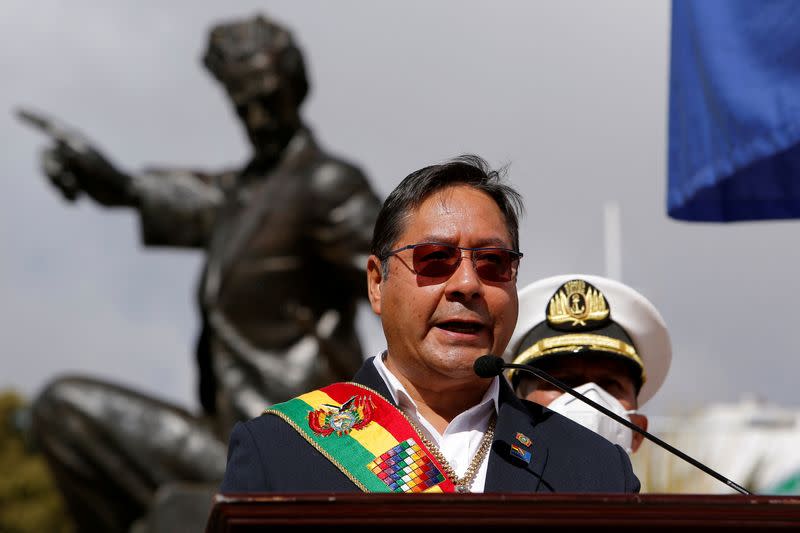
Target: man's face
(435, 328)
(267, 109)
(611, 374)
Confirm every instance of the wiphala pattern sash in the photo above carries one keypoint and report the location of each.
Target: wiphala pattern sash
(370, 440)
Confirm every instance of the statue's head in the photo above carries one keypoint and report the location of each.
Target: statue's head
(258, 63)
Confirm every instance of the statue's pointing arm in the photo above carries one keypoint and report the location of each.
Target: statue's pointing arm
(177, 207)
(75, 166)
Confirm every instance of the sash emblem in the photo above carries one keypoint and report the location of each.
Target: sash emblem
(355, 413)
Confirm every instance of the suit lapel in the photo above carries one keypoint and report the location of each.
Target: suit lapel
(506, 473)
(368, 376)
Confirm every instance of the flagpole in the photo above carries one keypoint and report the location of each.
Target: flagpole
(613, 240)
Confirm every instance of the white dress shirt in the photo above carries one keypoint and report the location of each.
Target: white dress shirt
(462, 437)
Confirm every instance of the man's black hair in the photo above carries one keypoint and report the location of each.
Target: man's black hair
(469, 170)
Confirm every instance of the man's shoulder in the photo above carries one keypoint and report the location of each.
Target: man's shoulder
(275, 422)
(267, 454)
(330, 172)
(332, 176)
(327, 177)
(267, 429)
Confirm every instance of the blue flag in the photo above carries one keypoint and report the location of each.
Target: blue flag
(734, 110)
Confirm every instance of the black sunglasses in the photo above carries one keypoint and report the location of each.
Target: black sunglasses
(440, 260)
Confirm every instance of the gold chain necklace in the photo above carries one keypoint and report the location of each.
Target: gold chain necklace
(464, 483)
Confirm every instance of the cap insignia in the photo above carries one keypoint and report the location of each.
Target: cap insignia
(576, 304)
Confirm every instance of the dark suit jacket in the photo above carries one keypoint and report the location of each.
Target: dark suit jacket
(266, 455)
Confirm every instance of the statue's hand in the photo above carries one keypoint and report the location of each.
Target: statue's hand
(74, 165)
(63, 179)
(87, 170)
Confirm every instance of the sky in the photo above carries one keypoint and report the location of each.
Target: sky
(571, 95)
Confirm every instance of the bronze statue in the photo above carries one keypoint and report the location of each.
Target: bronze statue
(286, 239)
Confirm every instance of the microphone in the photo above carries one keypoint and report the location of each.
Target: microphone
(488, 366)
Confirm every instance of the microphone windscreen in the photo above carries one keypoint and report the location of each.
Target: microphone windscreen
(488, 366)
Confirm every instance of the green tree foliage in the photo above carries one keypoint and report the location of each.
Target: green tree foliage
(29, 499)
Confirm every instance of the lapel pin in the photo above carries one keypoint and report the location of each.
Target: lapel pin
(521, 454)
(523, 439)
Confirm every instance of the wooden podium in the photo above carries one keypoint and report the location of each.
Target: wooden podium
(477, 512)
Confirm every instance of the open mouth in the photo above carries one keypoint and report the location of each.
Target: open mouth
(461, 327)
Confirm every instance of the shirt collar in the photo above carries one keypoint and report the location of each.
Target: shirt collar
(403, 400)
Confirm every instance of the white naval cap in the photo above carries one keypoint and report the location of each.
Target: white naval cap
(564, 315)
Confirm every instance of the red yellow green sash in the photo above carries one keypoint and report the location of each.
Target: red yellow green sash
(366, 437)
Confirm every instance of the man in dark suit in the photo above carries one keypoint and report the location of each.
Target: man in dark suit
(442, 278)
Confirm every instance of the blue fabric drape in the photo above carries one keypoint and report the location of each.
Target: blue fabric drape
(734, 110)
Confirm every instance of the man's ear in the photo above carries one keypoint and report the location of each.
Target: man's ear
(374, 279)
(641, 421)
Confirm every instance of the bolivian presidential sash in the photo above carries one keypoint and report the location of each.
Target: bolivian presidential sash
(370, 440)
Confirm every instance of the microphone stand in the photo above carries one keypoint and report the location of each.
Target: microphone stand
(566, 388)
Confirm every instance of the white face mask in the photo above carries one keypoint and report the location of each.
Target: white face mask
(579, 412)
